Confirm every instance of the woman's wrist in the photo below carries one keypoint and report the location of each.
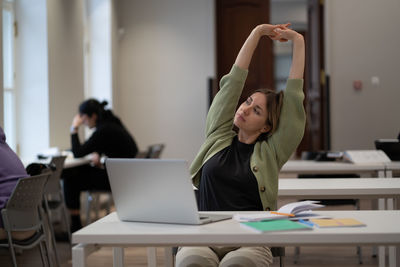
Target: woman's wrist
(73, 129)
(298, 38)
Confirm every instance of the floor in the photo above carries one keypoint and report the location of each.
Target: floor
(309, 256)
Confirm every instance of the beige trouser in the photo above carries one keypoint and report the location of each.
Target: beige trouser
(223, 257)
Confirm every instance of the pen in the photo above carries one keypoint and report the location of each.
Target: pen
(306, 222)
(281, 213)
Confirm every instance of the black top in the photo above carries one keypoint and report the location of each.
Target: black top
(227, 182)
(110, 139)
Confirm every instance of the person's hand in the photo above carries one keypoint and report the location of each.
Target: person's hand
(271, 31)
(275, 35)
(95, 157)
(77, 121)
(285, 34)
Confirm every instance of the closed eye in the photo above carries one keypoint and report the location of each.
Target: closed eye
(249, 100)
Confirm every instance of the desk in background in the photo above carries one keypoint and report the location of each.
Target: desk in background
(332, 167)
(70, 161)
(391, 167)
(340, 188)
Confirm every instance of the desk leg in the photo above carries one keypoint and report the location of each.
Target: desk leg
(392, 256)
(168, 257)
(118, 257)
(382, 256)
(151, 257)
(80, 252)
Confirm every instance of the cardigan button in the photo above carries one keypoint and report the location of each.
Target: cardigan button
(267, 208)
(262, 188)
(255, 169)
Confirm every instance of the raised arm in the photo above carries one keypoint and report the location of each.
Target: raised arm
(297, 68)
(243, 59)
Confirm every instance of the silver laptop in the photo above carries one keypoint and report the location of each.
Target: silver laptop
(155, 190)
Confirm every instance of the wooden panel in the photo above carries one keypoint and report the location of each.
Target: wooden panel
(235, 21)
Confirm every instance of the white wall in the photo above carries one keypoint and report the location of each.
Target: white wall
(362, 41)
(32, 79)
(100, 64)
(66, 72)
(165, 57)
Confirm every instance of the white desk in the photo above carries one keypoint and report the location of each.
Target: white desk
(382, 229)
(339, 188)
(391, 167)
(331, 167)
(69, 162)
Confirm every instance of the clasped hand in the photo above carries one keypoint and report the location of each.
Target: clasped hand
(278, 32)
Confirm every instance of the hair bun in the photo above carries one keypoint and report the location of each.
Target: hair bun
(104, 103)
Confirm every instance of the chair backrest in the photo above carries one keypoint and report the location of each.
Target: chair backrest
(53, 185)
(154, 151)
(22, 210)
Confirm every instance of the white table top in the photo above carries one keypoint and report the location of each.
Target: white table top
(69, 162)
(393, 166)
(340, 187)
(382, 228)
(328, 167)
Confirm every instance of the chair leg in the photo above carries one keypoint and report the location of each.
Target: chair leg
(11, 247)
(50, 230)
(66, 222)
(42, 253)
(282, 261)
(89, 200)
(12, 254)
(296, 254)
(96, 206)
(65, 215)
(359, 253)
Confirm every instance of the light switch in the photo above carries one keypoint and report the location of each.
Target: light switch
(375, 81)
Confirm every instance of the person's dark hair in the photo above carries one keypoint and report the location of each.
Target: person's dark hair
(274, 106)
(92, 106)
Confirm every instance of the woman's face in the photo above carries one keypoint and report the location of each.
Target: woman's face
(251, 115)
(89, 121)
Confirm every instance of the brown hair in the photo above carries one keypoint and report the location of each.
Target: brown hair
(274, 106)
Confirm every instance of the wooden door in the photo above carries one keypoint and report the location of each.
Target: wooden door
(235, 21)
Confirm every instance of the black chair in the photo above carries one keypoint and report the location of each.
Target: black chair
(154, 151)
(23, 212)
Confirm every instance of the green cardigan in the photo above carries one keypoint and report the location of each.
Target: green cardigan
(268, 156)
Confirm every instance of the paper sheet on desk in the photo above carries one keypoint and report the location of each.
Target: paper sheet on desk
(265, 216)
(257, 216)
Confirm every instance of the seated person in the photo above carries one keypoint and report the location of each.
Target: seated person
(238, 171)
(110, 139)
(11, 170)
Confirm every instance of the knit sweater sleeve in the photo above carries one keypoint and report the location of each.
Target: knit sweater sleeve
(222, 110)
(291, 122)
